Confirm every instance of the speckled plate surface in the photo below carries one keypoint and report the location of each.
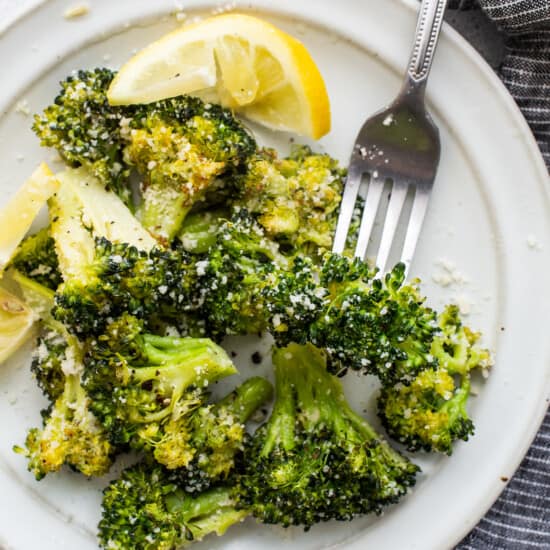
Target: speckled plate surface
(486, 237)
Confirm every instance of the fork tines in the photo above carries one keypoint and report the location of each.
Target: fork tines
(375, 206)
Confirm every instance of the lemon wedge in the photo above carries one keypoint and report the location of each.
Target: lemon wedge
(18, 214)
(16, 321)
(253, 67)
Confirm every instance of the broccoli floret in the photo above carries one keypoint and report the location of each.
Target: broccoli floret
(238, 267)
(295, 301)
(296, 199)
(429, 412)
(179, 145)
(36, 258)
(145, 388)
(71, 434)
(371, 325)
(218, 434)
(182, 147)
(103, 253)
(146, 508)
(86, 130)
(455, 348)
(122, 279)
(316, 459)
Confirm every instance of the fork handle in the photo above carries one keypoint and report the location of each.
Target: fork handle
(428, 26)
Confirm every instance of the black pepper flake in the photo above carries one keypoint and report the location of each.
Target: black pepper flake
(256, 357)
(233, 354)
(504, 479)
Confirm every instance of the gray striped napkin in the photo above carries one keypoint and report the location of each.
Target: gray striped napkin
(520, 519)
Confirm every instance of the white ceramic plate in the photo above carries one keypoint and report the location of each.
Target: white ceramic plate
(490, 215)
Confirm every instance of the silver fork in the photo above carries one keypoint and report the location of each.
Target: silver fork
(400, 146)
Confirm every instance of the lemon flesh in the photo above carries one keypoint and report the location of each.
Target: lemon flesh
(16, 321)
(243, 62)
(17, 216)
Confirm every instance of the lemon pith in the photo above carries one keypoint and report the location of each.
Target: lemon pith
(16, 321)
(18, 214)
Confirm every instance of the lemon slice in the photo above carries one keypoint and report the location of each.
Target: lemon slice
(18, 214)
(16, 321)
(255, 68)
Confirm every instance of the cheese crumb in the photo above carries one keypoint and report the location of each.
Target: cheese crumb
(70, 365)
(22, 108)
(448, 274)
(533, 242)
(77, 10)
(464, 305)
(201, 267)
(224, 8)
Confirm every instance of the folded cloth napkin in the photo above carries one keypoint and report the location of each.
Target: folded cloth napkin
(520, 519)
(526, 67)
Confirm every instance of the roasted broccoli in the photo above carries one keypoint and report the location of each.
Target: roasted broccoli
(71, 433)
(316, 459)
(147, 508)
(179, 146)
(122, 279)
(295, 199)
(86, 130)
(227, 239)
(233, 276)
(145, 388)
(182, 147)
(100, 245)
(372, 325)
(429, 412)
(217, 433)
(36, 258)
(295, 301)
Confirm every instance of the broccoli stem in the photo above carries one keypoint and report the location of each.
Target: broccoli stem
(200, 230)
(192, 508)
(179, 363)
(320, 398)
(211, 512)
(281, 425)
(162, 212)
(219, 522)
(246, 398)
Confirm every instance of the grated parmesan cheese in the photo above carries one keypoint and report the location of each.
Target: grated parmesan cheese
(77, 10)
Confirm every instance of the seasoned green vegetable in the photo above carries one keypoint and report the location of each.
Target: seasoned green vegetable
(86, 130)
(147, 508)
(36, 258)
(296, 199)
(316, 459)
(145, 388)
(429, 411)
